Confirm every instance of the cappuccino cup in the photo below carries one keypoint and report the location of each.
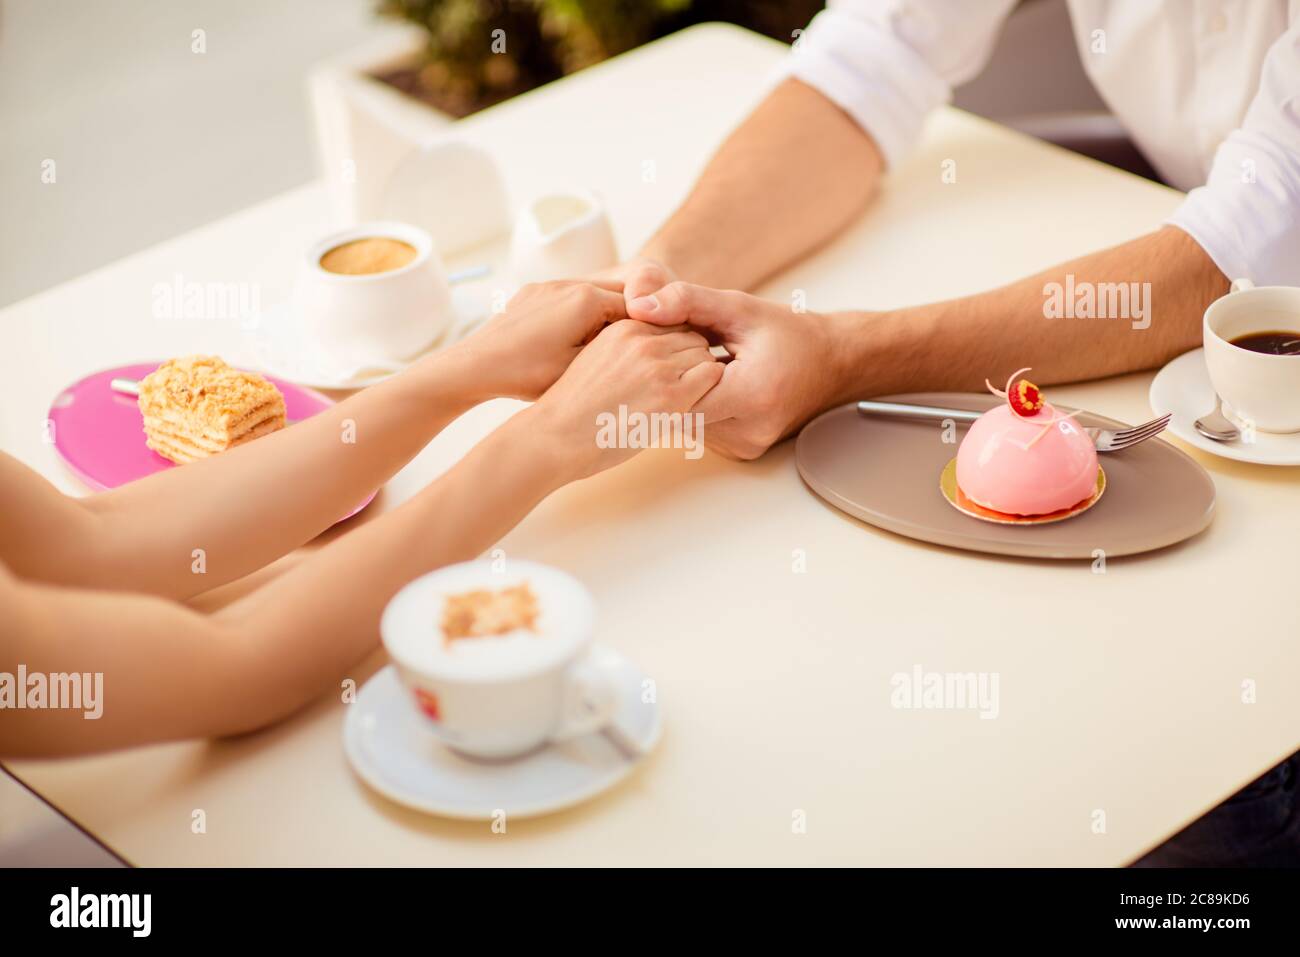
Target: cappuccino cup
(375, 292)
(497, 659)
(1259, 390)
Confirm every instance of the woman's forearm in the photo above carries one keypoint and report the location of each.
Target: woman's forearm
(235, 512)
(170, 672)
(186, 530)
(334, 598)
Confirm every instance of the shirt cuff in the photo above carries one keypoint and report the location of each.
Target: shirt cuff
(1247, 215)
(881, 82)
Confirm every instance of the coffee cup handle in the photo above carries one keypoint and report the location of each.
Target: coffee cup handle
(1241, 285)
(591, 697)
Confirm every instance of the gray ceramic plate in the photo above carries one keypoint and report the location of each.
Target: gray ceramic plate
(886, 472)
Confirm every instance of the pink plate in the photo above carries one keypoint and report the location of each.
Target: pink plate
(99, 433)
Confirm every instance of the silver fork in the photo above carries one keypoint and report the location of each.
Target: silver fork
(1106, 440)
(1115, 441)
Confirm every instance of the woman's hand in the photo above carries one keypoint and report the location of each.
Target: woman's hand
(641, 367)
(521, 352)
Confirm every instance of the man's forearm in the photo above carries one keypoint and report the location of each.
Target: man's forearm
(1130, 307)
(794, 174)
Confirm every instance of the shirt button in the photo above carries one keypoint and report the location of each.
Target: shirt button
(1217, 23)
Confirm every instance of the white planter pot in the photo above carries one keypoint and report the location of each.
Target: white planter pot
(385, 155)
(364, 127)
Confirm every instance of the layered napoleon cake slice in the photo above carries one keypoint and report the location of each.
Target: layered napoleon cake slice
(198, 406)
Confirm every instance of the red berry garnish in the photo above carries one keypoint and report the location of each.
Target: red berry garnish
(1024, 398)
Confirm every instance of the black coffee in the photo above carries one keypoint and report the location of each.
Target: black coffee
(1270, 343)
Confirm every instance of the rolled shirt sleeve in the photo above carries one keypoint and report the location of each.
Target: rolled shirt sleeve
(1247, 215)
(888, 63)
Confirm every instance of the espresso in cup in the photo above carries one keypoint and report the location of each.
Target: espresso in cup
(1270, 343)
(1252, 353)
(365, 257)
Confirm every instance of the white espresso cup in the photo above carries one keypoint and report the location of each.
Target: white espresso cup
(381, 317)
(1259, 389)
(498, 696)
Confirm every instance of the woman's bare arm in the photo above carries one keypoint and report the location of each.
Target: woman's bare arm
(252, 504)
(170, 672)
(242, 509)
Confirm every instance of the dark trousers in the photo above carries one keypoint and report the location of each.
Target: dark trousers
(1259, 826)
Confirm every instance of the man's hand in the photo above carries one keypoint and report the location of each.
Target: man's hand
(782, 372)
(637, 277)
(525, 349)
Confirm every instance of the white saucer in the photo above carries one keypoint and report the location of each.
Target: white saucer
(285, 349)
(392, 750)
(1183, 388)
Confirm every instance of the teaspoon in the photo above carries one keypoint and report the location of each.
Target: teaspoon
(1217, 426)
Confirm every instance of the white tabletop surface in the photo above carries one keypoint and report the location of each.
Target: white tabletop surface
(1120, 693)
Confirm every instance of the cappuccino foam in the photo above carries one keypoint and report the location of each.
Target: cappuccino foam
(471, 622)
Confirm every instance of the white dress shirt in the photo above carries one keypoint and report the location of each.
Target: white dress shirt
(1209, 90)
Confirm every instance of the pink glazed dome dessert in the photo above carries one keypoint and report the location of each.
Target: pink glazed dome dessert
(1024, 458)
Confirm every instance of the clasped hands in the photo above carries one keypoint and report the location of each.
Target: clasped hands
(636, 337)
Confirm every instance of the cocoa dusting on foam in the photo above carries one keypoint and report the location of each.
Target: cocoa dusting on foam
(484, 613)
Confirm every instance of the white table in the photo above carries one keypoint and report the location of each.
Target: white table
(1119, 692)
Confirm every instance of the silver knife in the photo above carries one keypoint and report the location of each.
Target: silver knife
(907, 411)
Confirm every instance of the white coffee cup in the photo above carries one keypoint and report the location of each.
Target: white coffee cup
(1258, 389)
(561, 236)
(501, 696)
(381, 317)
